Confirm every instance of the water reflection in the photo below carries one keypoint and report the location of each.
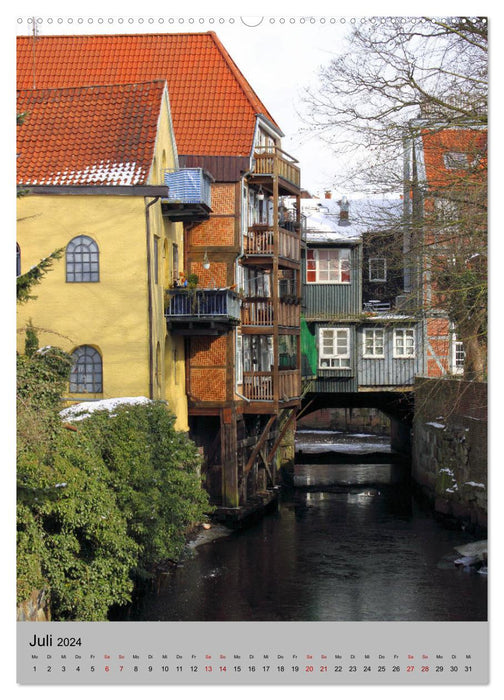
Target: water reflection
(349, 543)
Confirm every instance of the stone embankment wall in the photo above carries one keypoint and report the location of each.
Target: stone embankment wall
(450, 447)
(362, 420)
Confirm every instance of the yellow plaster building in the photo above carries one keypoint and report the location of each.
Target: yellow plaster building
(93, 160)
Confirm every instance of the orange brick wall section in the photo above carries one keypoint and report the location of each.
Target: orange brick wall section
(208, 384)
(219, 230)
(216, 231)
(223, 198)
(208, 370)
(215, 276)
(208, 351)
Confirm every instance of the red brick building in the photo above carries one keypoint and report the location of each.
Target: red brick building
(445, 203)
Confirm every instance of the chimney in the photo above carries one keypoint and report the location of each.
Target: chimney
(344, 210)
(328, 194)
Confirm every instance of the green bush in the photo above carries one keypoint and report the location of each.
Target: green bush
(154, 474)
(71, 532)
(99, 504)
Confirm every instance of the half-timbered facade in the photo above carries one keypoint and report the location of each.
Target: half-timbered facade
(235, 300)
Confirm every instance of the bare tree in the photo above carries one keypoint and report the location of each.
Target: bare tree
(397, 83)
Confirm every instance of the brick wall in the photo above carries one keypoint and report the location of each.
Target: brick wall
(216, 231)
(208, 384)
(219, 230)
(208, 351)
(208, 368)
(215, 276)
(223, 198)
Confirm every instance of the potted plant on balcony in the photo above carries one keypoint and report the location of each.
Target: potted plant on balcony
(188, 286)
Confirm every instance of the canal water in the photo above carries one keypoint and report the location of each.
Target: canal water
(348, 543)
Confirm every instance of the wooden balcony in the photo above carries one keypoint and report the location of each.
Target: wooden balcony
(260, 243)
(260, 313)
(271, 160)
(259, 386)
(202, 311)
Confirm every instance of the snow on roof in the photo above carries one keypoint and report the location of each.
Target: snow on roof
(79, 411)
(324, 225)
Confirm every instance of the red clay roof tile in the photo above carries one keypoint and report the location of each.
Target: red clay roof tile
(213, 105)
(88, 135)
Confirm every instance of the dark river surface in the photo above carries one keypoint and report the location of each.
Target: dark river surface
(349, 543)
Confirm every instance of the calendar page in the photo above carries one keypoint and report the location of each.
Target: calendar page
(251, 265)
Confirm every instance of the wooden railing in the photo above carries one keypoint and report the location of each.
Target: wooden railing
(260, 312)
(260, 240)
(289, 315)
(257, 312)
(202, 303)
(289, 384)
(271, 160)
(258, 386)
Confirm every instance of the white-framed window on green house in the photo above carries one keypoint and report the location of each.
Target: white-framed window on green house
(334, 348)
(404, 343)
(377, 269)
(373, 344)
(328, 265)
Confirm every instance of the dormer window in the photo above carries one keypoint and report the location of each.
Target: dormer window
(456, 161)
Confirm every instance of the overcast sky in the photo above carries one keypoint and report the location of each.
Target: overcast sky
(279, 56)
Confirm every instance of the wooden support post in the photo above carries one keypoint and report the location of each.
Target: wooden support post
(260, 443)
(281, 435)
(264, 458)
(229, 461)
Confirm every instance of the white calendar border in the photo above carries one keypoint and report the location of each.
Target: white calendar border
(9, 629)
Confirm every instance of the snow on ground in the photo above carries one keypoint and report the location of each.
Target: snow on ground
(318, 432)
(79, 411)
(357, 447)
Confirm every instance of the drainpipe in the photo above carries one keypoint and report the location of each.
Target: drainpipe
(149, 296)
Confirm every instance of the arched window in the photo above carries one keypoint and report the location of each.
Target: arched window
(18, 260)
(82, 260)
(86, 376)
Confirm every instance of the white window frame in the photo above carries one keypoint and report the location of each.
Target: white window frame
(404, 333)
(456, 160)
(375, 334)
(374, 278)
(334, 359)
(337, 278)
(458, 356)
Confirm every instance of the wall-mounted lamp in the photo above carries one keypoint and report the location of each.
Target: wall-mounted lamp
(206, 261)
